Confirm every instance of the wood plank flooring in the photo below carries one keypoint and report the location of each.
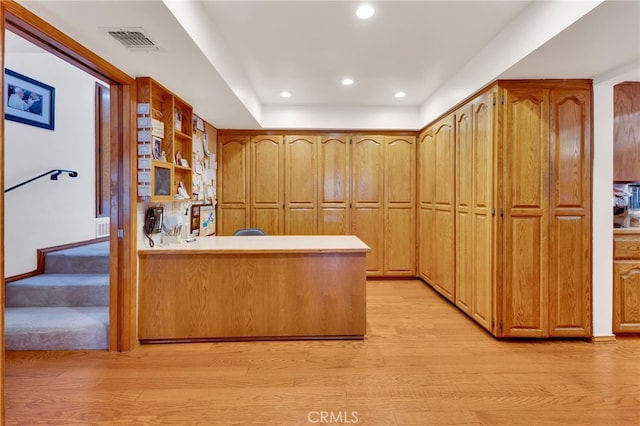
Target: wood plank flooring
(423, 363)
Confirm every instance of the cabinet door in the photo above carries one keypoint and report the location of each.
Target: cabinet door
(368, 192)
(300, 207)
(626, 296)
(626, 131)
(444, 212)
(266, 183)
(526, 191)
(233, 184)
(570, 213)
(426, 205)
(400, 206)
(464, 218)
(485, 243)
(334, 181)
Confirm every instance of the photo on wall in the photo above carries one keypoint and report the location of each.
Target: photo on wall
(28, 101)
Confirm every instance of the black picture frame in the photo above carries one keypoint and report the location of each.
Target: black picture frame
(28, 101)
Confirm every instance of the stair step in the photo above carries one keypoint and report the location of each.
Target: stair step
(59, 290)
(91, 258)
(57, 328)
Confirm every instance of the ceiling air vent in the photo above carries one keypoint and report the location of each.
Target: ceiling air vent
(132, 38)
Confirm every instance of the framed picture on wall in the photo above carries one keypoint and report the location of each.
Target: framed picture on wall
(28, 101)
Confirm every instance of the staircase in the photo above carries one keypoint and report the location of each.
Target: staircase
(65, 308)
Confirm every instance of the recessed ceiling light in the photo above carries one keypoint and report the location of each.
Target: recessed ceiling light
(365, 12)
(285, 94)
(347, 81)
(400, 95)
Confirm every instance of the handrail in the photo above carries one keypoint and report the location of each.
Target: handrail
(54, 176)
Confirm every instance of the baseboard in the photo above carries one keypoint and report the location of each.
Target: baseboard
(603, 339)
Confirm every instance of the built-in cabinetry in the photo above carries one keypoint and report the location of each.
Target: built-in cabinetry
(324, 184)
(165, 125)
(506, 177)
(626, 131)
(626, 281)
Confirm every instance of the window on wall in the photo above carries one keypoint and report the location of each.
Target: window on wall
(103, 151)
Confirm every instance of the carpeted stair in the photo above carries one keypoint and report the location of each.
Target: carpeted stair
(65, 308)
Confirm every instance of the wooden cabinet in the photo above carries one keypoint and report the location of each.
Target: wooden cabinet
(521, 225)
(324, 184)
(626, 131)
(626, 283)
(437, 208)
(170, 142)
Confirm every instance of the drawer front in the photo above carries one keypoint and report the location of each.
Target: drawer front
(626, 248)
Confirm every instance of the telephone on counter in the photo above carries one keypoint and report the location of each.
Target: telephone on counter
(153, 220)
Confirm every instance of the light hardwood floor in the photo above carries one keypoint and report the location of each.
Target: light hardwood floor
(423, 363)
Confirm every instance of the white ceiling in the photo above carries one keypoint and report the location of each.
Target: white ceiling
(231, 59)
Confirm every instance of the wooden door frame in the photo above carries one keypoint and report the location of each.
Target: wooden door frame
(123, 260)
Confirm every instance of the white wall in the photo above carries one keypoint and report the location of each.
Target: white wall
(602, 187)
(47, 213)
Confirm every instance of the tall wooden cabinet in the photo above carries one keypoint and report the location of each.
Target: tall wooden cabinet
(328, 184)
(522, 227)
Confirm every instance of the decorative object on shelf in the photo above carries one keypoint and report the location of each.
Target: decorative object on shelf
(203, 220)
(157, 148)
(28, 101)
(178, 157)
(177, 119)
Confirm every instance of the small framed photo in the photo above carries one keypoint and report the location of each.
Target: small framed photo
(28, 101)
(157, 148)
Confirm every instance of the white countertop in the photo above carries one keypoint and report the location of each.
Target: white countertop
(264, 244)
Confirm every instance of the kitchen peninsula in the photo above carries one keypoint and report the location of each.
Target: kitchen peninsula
(253, 287)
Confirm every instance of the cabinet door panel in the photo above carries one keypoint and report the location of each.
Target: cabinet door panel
(233, 184)
(444, 228)
(399, 243)
(367, 226)
(368, 192)
(399, 206)
(266, 183)
(626, 296)
(483, 183)
(525, 257)
(301, 185)
(334, 184)
(570, 215)
(464, 167)
(426, 204)
(626, 131)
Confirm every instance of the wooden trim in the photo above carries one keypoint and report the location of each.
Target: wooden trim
(31, 27)
(283, 132)
(41, 254)
(122, 250)
(603, 339)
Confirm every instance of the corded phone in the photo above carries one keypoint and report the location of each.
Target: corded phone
(153, 220)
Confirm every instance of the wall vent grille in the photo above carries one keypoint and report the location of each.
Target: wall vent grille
(132, 38)
(102, 227)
